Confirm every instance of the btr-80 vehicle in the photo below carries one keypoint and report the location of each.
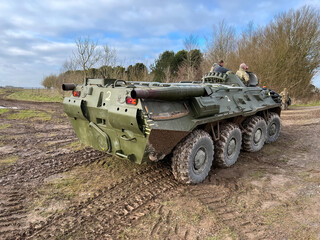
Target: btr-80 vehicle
(197, 123)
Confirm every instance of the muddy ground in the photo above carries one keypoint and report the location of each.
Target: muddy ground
(53, 187)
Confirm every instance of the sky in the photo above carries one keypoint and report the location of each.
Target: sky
(37, 36)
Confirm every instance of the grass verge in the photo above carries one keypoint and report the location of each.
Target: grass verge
(5, 126)
(30, 114)
(3, 110)
(312, 104)
(36, 95)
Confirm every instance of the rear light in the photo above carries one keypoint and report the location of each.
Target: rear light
(76, 93)
(132, 101)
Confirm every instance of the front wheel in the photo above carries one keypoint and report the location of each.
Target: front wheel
(192, 158)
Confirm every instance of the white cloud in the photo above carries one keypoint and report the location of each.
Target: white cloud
(19, 52)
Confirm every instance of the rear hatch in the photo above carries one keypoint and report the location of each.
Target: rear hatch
(105, 117)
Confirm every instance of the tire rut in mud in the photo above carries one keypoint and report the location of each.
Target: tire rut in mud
(41, 167)
(221, 197)
(12, 212)
(110, 210)
(165, 227)
(17, 185)
(41, 151)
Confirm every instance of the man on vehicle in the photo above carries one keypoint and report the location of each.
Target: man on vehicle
(218, 67)
(242, 74)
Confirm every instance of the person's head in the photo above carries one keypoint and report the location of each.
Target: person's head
(221, 63)
(215, 65)
(243, 66)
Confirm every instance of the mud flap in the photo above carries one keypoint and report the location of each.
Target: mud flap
(102, 138)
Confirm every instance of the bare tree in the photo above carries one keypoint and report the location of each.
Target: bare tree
(221, 44)
(69, 73)
(87, 54)
(191, 42)
(108, 61)
(68, 65)
(188, 67)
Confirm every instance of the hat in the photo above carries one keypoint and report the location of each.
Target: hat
(243, 66)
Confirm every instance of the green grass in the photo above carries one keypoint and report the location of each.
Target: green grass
(5, 126)
(59, 190)
(3, 110)
(8, 161)
(67, 188)
(36, 95)
(312, 104)
(257, 174)
(30, 114)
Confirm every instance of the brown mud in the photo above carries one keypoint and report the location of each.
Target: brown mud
(52, 187)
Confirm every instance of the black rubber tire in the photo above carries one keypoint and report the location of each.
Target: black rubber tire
(251, 126)
(273, 127)
(184, 155)
(229, 132)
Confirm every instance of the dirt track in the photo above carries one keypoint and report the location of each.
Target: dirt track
(53, 187)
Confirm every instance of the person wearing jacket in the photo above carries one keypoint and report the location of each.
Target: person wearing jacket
(242, 74)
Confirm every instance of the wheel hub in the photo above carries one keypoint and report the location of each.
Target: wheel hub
(200, 159)
(257, 135)
(272, 129)
(231, 147)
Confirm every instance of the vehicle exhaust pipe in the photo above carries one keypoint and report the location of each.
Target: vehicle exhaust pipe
(171, 93)
(68, 86)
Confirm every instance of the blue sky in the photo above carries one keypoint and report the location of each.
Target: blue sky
(37, 36)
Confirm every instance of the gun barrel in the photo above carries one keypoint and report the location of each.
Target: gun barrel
(68, 86)
(170, 93)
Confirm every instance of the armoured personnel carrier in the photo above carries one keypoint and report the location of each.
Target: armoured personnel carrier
(200, 123)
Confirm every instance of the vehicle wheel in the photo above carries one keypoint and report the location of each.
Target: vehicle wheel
(254, 135)
(273, 127)
(227, 149)
(192, 157)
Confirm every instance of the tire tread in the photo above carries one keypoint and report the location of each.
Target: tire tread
(181, 153)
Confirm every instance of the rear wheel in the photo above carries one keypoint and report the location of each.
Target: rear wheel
(273, 127)
(192, 158)
(227, 149)
(254, 135)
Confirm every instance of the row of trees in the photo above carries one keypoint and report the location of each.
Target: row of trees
(285, 53)
(137, 72)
